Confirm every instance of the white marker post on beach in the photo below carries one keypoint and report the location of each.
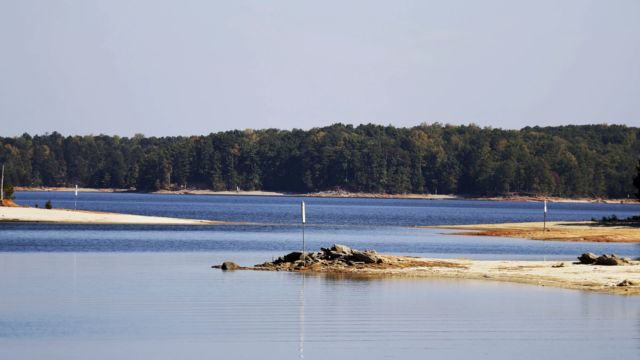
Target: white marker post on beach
(2, 185)
(304, 220)
(75, 201)
(544, 226)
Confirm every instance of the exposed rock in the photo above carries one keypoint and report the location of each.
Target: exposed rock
(292, 257)
(588, 258)
(229, 265)
(340, 258)
(332, 255)
(611, 260)
(367, 257)
(342, 249)
(626, 283)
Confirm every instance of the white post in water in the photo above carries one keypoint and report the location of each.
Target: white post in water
(2, 186)
(304, 220)
(75, 201)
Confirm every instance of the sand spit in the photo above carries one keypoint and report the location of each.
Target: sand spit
(25, 214)
(557, 231)
(341, 260)
(69, 189)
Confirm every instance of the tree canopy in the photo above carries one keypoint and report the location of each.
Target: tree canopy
(572, 161)
(636, 181)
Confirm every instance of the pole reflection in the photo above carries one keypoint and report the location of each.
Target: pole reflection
(301, 318)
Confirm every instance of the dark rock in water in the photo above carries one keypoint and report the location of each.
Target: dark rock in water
(338, 256)
(611, 260)
(229, 265)
(626, 283)
(342, 249)
(588, 258)
(292, 257)
(332, 255)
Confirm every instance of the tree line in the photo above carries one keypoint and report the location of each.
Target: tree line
(571, 161)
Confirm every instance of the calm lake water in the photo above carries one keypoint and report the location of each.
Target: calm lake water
(104, 292)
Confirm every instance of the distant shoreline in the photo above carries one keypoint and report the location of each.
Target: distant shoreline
(343, 194)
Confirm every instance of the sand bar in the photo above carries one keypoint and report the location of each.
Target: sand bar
(557, 231)
(341, 260)
(25, 214)
(562, 274)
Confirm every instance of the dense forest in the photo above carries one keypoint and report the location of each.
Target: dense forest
(590, 160)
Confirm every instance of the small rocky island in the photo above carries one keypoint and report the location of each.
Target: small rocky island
(605, 273)
(339, 259)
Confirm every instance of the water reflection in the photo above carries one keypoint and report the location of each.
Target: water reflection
(301, 312)
(173, 305)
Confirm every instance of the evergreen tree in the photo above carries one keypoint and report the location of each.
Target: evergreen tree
(636, 180)
(587, 160)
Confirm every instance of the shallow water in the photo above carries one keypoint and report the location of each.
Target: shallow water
(172, 305)
(104, 292)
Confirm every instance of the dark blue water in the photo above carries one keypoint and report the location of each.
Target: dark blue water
(381, 224)
(326, 211)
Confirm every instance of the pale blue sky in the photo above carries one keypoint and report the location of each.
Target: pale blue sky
(192, 67)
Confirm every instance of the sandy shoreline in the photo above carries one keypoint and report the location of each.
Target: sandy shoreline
(344, 194)
(561, 274)
(25, 214)
(556, 231)
(340, 260)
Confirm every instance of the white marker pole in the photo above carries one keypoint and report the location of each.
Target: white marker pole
(2, 185)
(304, 220)
(544, 228)
(75, 202)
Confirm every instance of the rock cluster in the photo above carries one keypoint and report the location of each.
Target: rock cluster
(626, 283)
(610, 260)
(227, 265)
(337, 255)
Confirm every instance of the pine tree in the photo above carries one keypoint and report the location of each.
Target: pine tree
(636, 181)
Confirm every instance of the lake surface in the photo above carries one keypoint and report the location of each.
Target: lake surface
(104, 292)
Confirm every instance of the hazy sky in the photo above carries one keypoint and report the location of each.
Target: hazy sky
(193, 67)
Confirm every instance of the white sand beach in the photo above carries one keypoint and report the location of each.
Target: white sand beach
(25, 214)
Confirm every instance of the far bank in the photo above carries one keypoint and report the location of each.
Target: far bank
(342, 194)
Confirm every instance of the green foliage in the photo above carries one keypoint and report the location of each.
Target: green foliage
(613, 219)
(8, 191)
(571, 161)
(636, 181)
(48, 205)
